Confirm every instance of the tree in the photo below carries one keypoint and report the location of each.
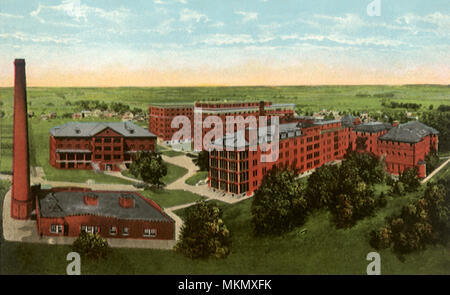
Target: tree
(432, 161)
(150, 167)
(279, 203)
(204, 233)
(409, 178)
(91, 246)
(423, 222)
(202, 161)
(321, 186)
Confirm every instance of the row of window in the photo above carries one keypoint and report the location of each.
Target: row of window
(113, 230)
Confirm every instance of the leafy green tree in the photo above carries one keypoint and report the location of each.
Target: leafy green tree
(150, 167)
(432, 161)
(409, 178)
(92, 246)
(321, 186)
(397, 189)
(423, 222)
(279, 203)
(202, 161)
(204, 233)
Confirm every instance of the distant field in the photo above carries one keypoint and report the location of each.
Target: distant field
(307, 98)
(312, 98)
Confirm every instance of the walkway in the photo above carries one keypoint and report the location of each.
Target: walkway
(435, 171)
(202, 190)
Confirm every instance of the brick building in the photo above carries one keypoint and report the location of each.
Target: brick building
(406, 146)
(97, 145)
(302, 146)
(68, 212)
(161, 116)
(306, 144)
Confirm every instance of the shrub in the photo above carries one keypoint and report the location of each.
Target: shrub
(423, 222)
(409, 178)
(91, 246)
(204, 233)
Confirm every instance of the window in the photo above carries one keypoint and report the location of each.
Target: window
(90, 229)
(113, 230)
(56, 228)
(125, 231)
(150, 232)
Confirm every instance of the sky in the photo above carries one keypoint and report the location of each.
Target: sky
(225, 42)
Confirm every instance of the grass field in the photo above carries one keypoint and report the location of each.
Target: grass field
(201, 175)
(169, 198)
(322, 250)
(173, 173)
(308, 97)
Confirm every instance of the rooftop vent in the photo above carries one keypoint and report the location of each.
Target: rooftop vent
(77, 130)
(91, 199)
(129, 127)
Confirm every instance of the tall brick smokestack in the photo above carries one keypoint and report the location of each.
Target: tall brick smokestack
(21, 204)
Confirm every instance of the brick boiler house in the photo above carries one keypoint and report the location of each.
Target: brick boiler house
(111, 214)
(98, 145)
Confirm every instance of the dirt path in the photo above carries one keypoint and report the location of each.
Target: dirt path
(435, 171)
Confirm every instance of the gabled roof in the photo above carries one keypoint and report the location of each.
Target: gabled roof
(410, 132)
(71, 203)
(88, 129)
(373, 127)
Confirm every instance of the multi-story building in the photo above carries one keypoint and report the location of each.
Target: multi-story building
(111, 214)
(162, 115)
(302, 147)
(308, 144)
(406, 146)
(98, 145)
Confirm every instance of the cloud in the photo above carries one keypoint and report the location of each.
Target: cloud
(247, 16)
(78, 12)
(39, 38)
(7, 15)
(435, 22)
(188, 15)
(346, 40)
(243, 39)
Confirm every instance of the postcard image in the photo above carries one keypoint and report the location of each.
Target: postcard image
(215, 138)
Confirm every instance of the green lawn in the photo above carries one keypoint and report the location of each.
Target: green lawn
(323, 249)
(170, 198)
(201, 175)
(173, 173)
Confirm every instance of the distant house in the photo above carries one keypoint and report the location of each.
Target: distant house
(128, 116)
(76, 116)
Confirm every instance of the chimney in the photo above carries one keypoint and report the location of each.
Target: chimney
(395, 124)
(21, 205)
(91, 199)
(126, 201)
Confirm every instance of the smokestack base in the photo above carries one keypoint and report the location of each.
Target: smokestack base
(21, 210)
